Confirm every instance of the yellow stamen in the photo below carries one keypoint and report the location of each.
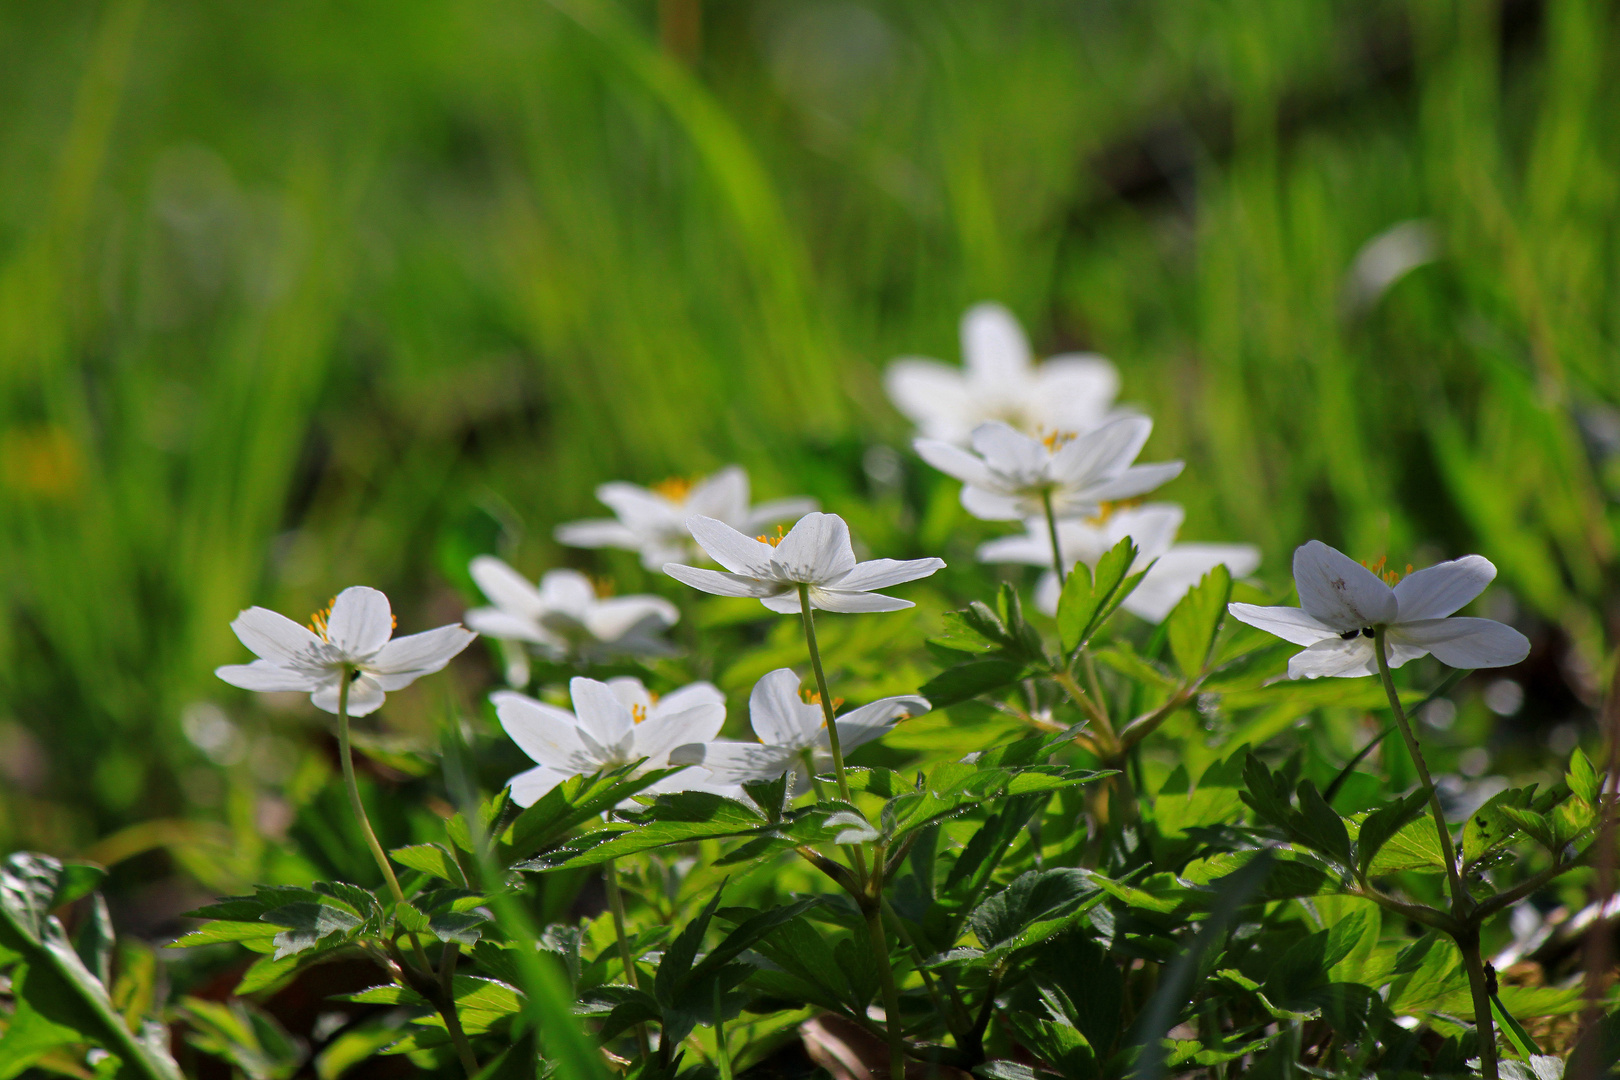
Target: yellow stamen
(1388, 576)
(1056, 440)
(675, 489)
(1106, 510)
(602, 586)
(773, 540)
(812, 697)
(638, 713)
(317, 621)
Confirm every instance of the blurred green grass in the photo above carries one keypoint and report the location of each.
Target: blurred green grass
(300, 296)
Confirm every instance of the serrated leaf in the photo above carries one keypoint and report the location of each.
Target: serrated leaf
(1195, 622)
(460, 927)
(1413, 847)
(1089, 597)
(969, 680)
(1384, 823)
(432, 859)
(308, 923)
(1582, 778)
(677, 818)
(1319, 826)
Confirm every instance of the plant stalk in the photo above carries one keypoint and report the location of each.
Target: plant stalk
(452, 1020)
(1477, 988)
(891, 994)
(809, 621)
(447, 1008)
(610, 878)
(1052, 531)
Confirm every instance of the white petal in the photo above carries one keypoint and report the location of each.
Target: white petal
(506, 588)
(361, 621)
(1465, 643)
(1102, 453)
(1019, 458)
(1134, 481)
(1339, 592)
(731, 549)
(778, 715)
(1048, 592)
(737, 762)
(600, 713)
(266, 675)
(933, 396)
(722, 584)
(1032, 548)
(688, 696)
(421, 653)
(1289, 623)
(1441, 589)
(597, 533)
(722, 496)
(1073, 392)
(816, 549)
(1181, 568)
(277, 638)
(862, 725)
(994, 345)
(954, 461)
(630, 692)
(881, 573)
(852, 602)
(529, 787)
(495, 623)
(786, 603)
(987, 505)
(566, 592)
(1152, 528)
(656, 736)
(641, 509)
(769, 513)
(546, 733)
(615, 617)
(1335, 657)
(365, 696)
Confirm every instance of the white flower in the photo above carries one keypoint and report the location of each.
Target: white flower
(613, 724)
(815, 552)
(1066, 393)
(1008, 475)
(653, 520)
(564, 617)
(1175, 568)
(353, 633)
(1344, 602)
(792, 733)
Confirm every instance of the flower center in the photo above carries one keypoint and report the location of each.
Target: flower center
(638, 713)
(1106, 510)
(812, 697)
(1389, 576)
(773, 540)
(675, 489)
(1056, 440)
(602, 587)
(317, 621)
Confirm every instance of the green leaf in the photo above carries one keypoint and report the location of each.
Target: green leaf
(1384, 823)
(1532, 823)
(572, 803)
(969, 680)
(1582, 778)
(56, 983)
(1058, 1045)
(678, 818)
(410, 917)
(433, 859)
(458, 926)
(1196, 620)
(1089, 598)
(307, 924)
(1031, 897)
(255, 935)
(1413, 847)
(1319, 826)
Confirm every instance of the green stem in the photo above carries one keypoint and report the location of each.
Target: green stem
(722, 1055)
(447, 1008)
(1461, 903)
(1052, 531)
(610, 877)
(821, 689)
(452, 1020)
(891, 994)
(1477, 988)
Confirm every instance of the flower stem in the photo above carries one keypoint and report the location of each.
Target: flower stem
(447, 1007)
(720, 1051)
(1462, 905)
(821, 689)
(610, 877)
(809, 621)
(355, 804)
(891, 994)
(1052, 531)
